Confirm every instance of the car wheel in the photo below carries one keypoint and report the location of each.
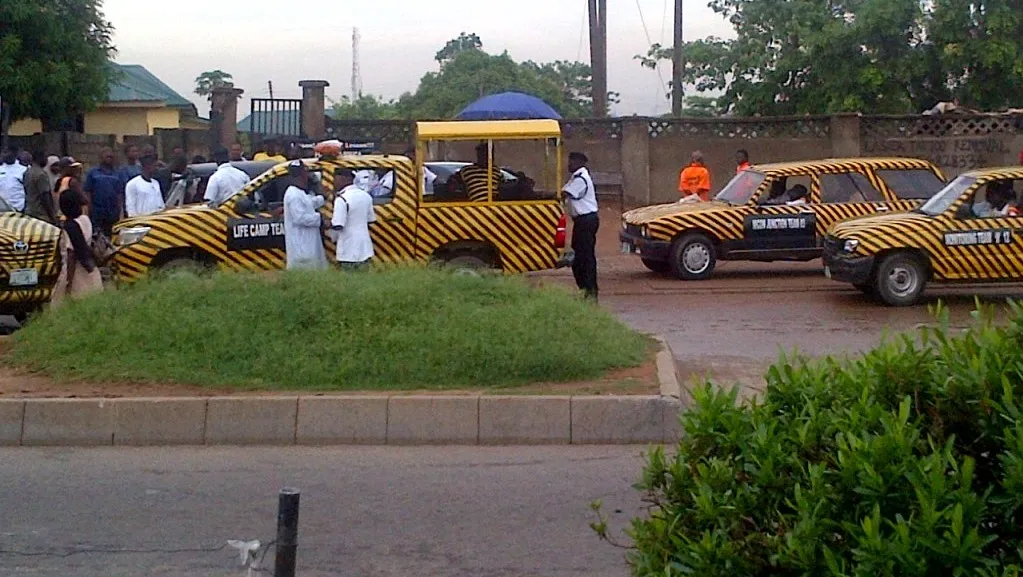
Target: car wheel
(693, 257)
(657, 266)
(900, 279)
(183, 266)
(468, 264)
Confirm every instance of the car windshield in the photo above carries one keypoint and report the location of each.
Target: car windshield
(741, 187)
(940, 202)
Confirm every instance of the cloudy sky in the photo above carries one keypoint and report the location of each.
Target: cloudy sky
(259, 41)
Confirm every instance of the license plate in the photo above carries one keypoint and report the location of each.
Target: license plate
(24, 277)
(628, 248)
(827, 272)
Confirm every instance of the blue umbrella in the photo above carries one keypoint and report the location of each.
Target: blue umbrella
(508, 106)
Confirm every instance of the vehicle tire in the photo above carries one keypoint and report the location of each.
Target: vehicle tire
(657, 266)
(184, 266)
(472, 264)
(693, 257)
(899, 279)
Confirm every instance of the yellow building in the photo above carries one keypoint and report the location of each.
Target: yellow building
(138, 104)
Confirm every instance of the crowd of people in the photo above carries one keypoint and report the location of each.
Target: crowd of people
(87, 204)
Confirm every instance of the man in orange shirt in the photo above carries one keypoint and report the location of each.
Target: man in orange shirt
(741, 160)
(695, 178)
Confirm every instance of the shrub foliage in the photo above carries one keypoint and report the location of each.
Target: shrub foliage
(906, 461)
(394, 329)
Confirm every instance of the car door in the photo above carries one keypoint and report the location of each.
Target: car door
(981, 246)
(395, 200)
(781, 230)
(846, 194)
(255, 224)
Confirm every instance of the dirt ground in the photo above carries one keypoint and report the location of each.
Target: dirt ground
(18, 383)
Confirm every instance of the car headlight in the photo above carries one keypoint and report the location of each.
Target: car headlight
(133, 235)
(851, 245)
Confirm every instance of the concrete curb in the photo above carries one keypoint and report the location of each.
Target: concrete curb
(350, 420)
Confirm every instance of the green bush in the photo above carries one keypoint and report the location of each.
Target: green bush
(907, 461)
(396, 329)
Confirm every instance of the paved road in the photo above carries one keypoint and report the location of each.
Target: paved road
(732, 326)
(365, 511)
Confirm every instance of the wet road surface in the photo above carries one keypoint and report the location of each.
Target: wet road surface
(367, 512)
(732, 326)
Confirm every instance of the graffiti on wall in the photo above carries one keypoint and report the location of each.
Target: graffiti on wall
(951, 154)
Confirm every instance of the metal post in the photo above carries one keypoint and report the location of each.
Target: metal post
(677, 64)
(287, 533)
(598, 56)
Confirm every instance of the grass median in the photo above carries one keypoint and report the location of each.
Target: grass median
(328, 331)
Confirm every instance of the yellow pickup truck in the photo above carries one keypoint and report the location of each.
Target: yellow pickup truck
(514, 232)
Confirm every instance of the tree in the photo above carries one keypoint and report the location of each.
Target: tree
(367, 107)
(464, 43)
(699, 106)
(979, 47)
(207, 81)
(54, 59)
(469, 73)
(821, 56)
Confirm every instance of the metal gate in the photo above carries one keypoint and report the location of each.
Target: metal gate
(276, 116)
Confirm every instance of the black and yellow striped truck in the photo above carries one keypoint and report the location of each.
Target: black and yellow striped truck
(516, 227)
(970, 231)
(30, 262)
(773, 212)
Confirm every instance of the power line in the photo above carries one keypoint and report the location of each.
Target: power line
(650, 42)
(664, 19)
(582, 37)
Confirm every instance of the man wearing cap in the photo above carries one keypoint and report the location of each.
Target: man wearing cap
(226, 181)
(105, 192)
(479, 178)
(581, 204)
(12, 179)
(303, 242)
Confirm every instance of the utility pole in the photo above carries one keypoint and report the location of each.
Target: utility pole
(270, 87)
(598, 55)
(356, 70)
(677, 64)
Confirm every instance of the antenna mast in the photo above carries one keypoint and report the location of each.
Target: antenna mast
(356, 73)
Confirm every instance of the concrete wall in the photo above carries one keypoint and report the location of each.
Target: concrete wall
(86, 148)
(953, 142)
(648, 153)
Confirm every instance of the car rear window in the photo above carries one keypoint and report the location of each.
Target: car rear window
(912, 184)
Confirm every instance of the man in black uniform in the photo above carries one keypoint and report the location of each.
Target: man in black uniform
(581, 204)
